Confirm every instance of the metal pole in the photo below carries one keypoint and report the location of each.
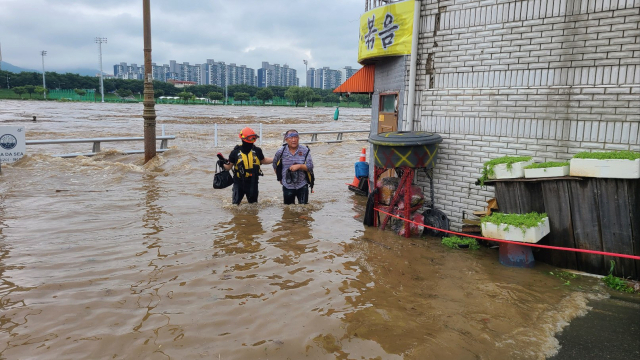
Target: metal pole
(306, 78)
(100, 41)
(149, 112)
(412, 67)
(215, 134)
(260, 134)
(44, 83)
(226, 82)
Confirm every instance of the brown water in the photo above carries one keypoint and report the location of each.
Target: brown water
(105, 257)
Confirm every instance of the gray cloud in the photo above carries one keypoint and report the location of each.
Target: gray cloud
(245, 32)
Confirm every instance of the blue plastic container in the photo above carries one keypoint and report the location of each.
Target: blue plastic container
(362, 169)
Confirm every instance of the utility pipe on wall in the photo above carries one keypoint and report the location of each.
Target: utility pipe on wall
(412, 67)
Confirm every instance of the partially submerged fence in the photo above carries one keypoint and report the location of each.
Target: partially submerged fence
(164, 144)
(314, 135)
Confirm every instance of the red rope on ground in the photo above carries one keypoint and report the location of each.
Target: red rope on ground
(633, 257)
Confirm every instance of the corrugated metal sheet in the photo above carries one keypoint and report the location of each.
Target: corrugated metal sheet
(360, 82)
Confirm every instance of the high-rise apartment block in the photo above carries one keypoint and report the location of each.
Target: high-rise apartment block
(209, 73)
(324, 78)
(348, 72)
(276, 75)
(128, 72)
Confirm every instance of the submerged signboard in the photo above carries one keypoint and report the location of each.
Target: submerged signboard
(386, 31)
(12, 143)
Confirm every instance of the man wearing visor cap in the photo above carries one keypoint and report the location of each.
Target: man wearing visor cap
(294, 169)
(245, 160)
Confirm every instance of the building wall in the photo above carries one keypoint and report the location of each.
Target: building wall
(390, 76)
(540, 78)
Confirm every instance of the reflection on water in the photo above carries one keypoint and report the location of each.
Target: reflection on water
(109, 258)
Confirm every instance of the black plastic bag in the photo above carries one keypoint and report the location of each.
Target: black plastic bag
(222, 179)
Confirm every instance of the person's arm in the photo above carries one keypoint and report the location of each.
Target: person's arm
(304, 167)
(278, 156)
(267, 161)
(232, 160)
(309, 163)
(297, 167)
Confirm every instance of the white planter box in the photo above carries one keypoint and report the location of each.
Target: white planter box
(531, 235)
(547, 172)
(501, 172)
(611, 168)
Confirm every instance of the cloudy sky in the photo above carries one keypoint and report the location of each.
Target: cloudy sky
(245, 32)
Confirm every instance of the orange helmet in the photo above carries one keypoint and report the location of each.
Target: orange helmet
(248, 135)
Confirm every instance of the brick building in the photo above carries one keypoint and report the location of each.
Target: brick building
(539, 78)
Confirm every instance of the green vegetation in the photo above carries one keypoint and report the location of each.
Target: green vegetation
(520, 221)
(622, 155)
(615, 282)
(264, 94)
(487, 168)
(28, 83)
(123, 93)
(242, 97)
(545, 165)
(454, 241)
(564, 276)
(298, 94)
(186, 96)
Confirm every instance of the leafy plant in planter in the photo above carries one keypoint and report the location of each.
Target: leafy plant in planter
(600, 155)
(520, 221)
(456, 242)
(614, 164)
(526, 228)
(488, 167)
(546, 169)
(546, 165)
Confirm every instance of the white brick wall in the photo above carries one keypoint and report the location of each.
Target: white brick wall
(545, 78)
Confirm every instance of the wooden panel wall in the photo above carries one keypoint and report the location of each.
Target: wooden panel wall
(593, 214)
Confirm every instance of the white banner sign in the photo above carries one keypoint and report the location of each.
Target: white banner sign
(12, 143)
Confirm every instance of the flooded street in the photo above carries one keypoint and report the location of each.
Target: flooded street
(105, 257)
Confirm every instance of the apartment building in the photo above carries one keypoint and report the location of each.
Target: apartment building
(128, 72)
(276, 75)
(324, 78)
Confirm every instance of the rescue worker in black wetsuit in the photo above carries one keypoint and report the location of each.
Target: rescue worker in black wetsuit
(245, 160)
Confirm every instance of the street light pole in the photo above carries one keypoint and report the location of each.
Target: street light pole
(44, 84)
(306, 78)
(99, 41)
(226, 83)
(149, 112)
(8, 81)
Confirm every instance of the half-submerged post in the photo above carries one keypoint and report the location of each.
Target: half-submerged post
(149, 112)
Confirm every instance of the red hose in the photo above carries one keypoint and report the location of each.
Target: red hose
(594, 252)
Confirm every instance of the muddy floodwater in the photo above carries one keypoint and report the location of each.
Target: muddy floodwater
(107, 258)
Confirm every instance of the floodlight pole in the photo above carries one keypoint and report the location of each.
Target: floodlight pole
(99, 41)
(306, 78)
(149, 112)
(44, 83)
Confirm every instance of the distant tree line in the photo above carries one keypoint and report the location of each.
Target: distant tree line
(31, 82)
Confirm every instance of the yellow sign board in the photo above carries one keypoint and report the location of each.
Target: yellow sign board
(386, 31)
